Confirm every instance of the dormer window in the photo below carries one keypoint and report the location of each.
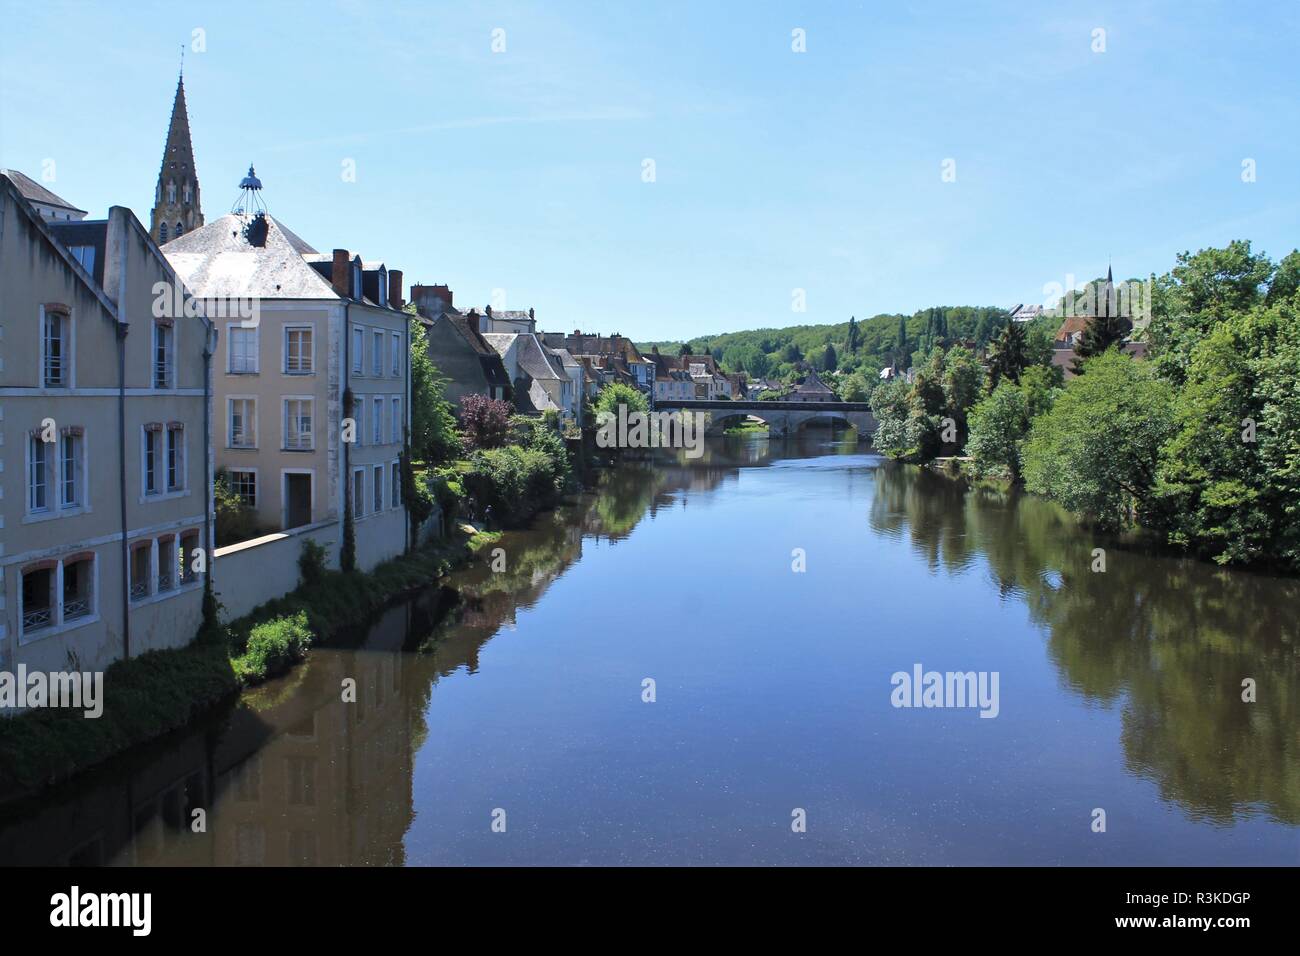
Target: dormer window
(356, 280)
(383, 287)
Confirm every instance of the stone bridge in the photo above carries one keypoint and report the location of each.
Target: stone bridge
(783, 419)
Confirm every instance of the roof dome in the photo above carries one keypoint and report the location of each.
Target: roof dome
(250, 181)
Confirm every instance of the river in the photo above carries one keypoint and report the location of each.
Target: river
(769, 591)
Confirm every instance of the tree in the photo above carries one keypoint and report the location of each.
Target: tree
(1102, 332)
(684, 350)
(1201, 291)
(963, 383)
(903, 430)
(1009, 355)
(1097, 449)
(829, 359)
(998, 426)
(484, 422)
(433, 421)
(854, 336)
(615, 394)
(900, 342)
(1229, 479)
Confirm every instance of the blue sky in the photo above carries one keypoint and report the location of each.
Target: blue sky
(774, 170)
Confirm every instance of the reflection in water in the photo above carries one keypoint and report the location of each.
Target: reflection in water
(520, 689)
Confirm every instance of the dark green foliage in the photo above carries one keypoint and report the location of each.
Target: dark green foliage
(311, 562)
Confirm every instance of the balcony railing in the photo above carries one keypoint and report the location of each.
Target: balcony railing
(139, 589)
(37, 618)
(162, 374)
(77, 607)
(164, 580)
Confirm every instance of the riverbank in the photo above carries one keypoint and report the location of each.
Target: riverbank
(152, 695)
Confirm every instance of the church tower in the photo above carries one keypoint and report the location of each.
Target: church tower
(176, 208)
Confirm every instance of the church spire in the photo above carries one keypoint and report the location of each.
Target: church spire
(176, 208)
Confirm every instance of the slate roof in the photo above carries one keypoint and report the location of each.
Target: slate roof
(813, 385)
(216, 260)
(34, 192)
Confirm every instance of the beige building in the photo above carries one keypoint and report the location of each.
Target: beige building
(104, 472)
(301, 334)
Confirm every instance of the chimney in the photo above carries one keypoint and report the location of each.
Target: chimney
(488, 310)
(395, 288)
(530, 312)
(339, 273)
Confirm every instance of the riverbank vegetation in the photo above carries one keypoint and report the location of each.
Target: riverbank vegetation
(1197, 444)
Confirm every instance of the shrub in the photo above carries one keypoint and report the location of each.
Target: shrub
(484, 422)
(235, 520)
(510, 484)
(311, 561)
(272, 646)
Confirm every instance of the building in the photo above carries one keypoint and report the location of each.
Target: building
(456, 346)
(812, 389)
(537, 375)
(48, 206)
(1025, 312)
(176, 206)
(1097, 300)
(615, 354)
(100, 375)
(313, 387)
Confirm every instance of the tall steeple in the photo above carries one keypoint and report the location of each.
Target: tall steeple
(176, 207)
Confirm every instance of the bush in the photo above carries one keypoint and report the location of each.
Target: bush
(511, 484)
(311, 562)
(272, 646)
(485, 422)
(616, 394)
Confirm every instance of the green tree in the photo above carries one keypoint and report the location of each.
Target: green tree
(1229, 483)
(615, 394)
(1103, 332)
(434, 437)
(998, 426)
(829, 360)
(855, 338)
(1009, 355)
(1202, 290)
(1097, 449)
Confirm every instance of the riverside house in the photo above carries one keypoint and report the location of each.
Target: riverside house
(105, 478)
(312, 393)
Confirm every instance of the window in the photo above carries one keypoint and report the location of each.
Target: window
(241, 350)
(298, 357)
(180, 230)
(244, 484)
(358, 421)
(84, 255)
(163, 341)
(378, 490)
(39, 609)
(358, 349)
(55, 330)
(171, 193)
(38, 472)
(78, 587)
(397, 354)
(188, 194)
(358, 492)
(298, 424)
(175, 457)
(242, 421)
(301, 778)
(168, 563)
(395, 496)
(162, 233)
(395, 426)
(377, 423)
(377, 353)
(141, 570)
(152, 458)
(71, 467)
(382, 281)
(189, 544)
(356, 280)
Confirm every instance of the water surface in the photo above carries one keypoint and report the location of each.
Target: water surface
(1118, 690)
